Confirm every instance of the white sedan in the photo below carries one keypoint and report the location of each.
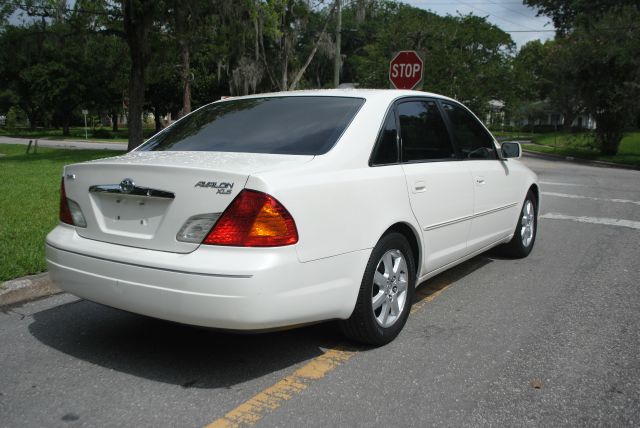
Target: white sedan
(276, 210)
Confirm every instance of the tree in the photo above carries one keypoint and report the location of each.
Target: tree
(599, 45)
(567, 14)
(466, 57)
(138, 20)
(543, 74)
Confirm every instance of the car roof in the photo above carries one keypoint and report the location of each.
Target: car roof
(368, 94)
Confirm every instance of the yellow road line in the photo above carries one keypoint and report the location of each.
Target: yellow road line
(251, 411)
(428, 292)
(271, 398)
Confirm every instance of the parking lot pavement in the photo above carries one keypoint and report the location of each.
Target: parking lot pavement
(548, 340)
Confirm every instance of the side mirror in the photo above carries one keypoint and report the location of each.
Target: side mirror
(511, 150)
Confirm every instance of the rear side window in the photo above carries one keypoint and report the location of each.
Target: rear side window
(386, 151)
(423, 132)
(277, 125)
(472, 139)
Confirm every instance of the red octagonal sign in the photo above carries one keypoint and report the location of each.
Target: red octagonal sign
(405, 70)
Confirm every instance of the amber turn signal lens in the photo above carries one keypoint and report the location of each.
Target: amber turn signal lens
(254, 219)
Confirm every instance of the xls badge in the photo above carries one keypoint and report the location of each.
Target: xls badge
(223, 187)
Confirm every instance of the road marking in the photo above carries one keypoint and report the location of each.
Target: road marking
(594, 220)
(266, 401)
(426, 293)
(565, 195)
(554, 183)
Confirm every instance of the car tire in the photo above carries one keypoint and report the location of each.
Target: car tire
(386, 293)
(524, 235)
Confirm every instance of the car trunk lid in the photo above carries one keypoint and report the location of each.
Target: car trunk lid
(142, 199)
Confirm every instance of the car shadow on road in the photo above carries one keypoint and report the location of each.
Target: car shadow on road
(190, 356)
(172, 353)
(429, 288)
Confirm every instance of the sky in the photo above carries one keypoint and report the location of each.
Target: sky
(509, 15)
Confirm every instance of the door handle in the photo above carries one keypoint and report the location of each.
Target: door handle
(419, 186)
(480, 181)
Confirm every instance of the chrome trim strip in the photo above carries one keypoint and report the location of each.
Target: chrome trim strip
(495, 210)
(448, 223)
(469, 217)
(136, 191)
(217, 275)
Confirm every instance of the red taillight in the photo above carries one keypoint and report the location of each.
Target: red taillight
(65, 212)
(254, 219)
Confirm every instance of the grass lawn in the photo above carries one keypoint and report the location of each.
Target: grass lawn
(29, 198)
(76, 133)
(580, 145)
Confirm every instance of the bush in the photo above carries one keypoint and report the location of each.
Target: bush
(101, 133)
(12, 118)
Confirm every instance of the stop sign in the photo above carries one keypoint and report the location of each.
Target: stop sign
(405, 70)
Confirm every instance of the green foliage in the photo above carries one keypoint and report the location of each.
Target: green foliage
(465, 57)
(12, 118)
(569, 14)
(170, 56)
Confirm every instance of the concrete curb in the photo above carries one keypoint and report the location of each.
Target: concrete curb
(601, 164)
(27, 288)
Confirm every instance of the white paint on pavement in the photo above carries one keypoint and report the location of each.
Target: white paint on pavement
(554, 183)
(594, 220)
(565, 195)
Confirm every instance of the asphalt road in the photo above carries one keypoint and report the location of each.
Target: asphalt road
(551, 340)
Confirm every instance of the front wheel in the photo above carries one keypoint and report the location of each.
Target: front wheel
(525, 234)
(386, 293)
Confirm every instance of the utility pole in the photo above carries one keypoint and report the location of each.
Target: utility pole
(338, 59)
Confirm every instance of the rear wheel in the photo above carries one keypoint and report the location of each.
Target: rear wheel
(525, 234)
(386, 293)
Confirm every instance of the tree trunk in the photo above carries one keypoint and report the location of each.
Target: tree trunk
(138, 20)
(31, 116)
(568, 117)
(114, 122)
(338, 59)
(136, 103)
(157, 117)
(296, 80)
(285, 65)
(186, 78)
(256, 28)
(609, 132)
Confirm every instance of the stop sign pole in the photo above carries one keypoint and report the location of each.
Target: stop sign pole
(405, 70)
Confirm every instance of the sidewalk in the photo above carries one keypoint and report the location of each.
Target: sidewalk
(65, 144)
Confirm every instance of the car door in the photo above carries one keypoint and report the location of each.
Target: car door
(438, 182)
(496, 195)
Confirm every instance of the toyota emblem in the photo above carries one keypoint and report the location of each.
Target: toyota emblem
(127, 185)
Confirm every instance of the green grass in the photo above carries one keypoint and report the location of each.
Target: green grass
(29, 198)
(579, 145)
(582, 146)
(76, 133)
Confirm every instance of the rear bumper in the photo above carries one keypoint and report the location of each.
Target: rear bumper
(222, 287)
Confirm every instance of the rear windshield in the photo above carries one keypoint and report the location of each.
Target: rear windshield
(279, 125)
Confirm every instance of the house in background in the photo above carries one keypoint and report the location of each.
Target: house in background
(537, 114)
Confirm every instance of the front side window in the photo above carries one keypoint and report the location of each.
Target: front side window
(423, 132)
(472, 139)
(386, 150)
(304, 125)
